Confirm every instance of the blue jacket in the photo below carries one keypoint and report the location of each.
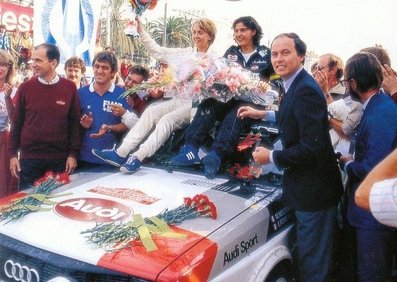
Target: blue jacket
(312, 179)
(376, 137)
(259, 62)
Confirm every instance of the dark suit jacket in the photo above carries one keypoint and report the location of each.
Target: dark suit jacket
(376, 137)
(312, 179)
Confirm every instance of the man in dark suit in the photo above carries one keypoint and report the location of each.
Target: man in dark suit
(375, 138)
(312, 183)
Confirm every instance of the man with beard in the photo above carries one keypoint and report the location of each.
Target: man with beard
(389, 83)
(375, 138)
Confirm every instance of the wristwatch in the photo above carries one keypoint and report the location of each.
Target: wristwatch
(109, 128)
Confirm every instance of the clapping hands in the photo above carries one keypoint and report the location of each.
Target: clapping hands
(86, 120)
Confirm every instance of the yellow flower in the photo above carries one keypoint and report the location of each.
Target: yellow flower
(167, 77)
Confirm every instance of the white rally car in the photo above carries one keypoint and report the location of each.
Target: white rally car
(248, 241)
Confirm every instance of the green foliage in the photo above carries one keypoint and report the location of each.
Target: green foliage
(178, 35)
(177, 29)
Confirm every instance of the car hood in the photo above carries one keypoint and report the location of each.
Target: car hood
(92, 198)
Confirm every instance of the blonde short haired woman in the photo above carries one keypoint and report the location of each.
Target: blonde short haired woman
(160, 119)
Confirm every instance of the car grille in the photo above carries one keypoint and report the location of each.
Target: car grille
(50, 265)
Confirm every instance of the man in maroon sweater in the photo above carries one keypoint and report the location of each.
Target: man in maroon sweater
(46, 129)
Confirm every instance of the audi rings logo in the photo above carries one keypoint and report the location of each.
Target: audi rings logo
(22, 273)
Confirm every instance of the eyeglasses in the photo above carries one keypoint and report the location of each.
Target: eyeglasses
(343, 82)
(320, 68)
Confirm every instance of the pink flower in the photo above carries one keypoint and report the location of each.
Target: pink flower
(210, 81)
(233, 85)
(197, 88)
(221, 75)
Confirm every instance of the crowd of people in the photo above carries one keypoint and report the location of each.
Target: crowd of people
(19, 45)
(336, 125)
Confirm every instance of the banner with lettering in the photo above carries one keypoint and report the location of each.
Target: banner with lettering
(70, 24)
(16, 16)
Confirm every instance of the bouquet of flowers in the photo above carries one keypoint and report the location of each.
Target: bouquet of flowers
(137, 8)
(158, 80)
(252, 170)
(201, 77)
(117, 236)
(39, 196)
(232, 81)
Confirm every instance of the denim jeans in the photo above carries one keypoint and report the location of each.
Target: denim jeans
(227, 136)
(33, 169)
(315, 232)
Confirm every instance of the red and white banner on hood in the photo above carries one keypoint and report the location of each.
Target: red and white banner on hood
(115, 198)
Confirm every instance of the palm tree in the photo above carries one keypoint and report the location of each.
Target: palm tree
(177, 31)
(140, 54)
(118, 40)
(178, 34)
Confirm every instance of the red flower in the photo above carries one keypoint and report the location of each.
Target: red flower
(62, 178)
(212, 210)
(208, 210)
(38, 182)
(201, 209)
(204, 199)
(241, 172)
(187, 201)
(204, 206)
(245, 173)
(248, 142)
(200, 199)
(48, 175)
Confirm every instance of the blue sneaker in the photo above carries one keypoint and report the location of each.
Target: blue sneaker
(131, 165)
(211, 163)
(110, 156)
(187, 156)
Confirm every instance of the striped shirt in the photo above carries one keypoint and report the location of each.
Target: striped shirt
(383, 201)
